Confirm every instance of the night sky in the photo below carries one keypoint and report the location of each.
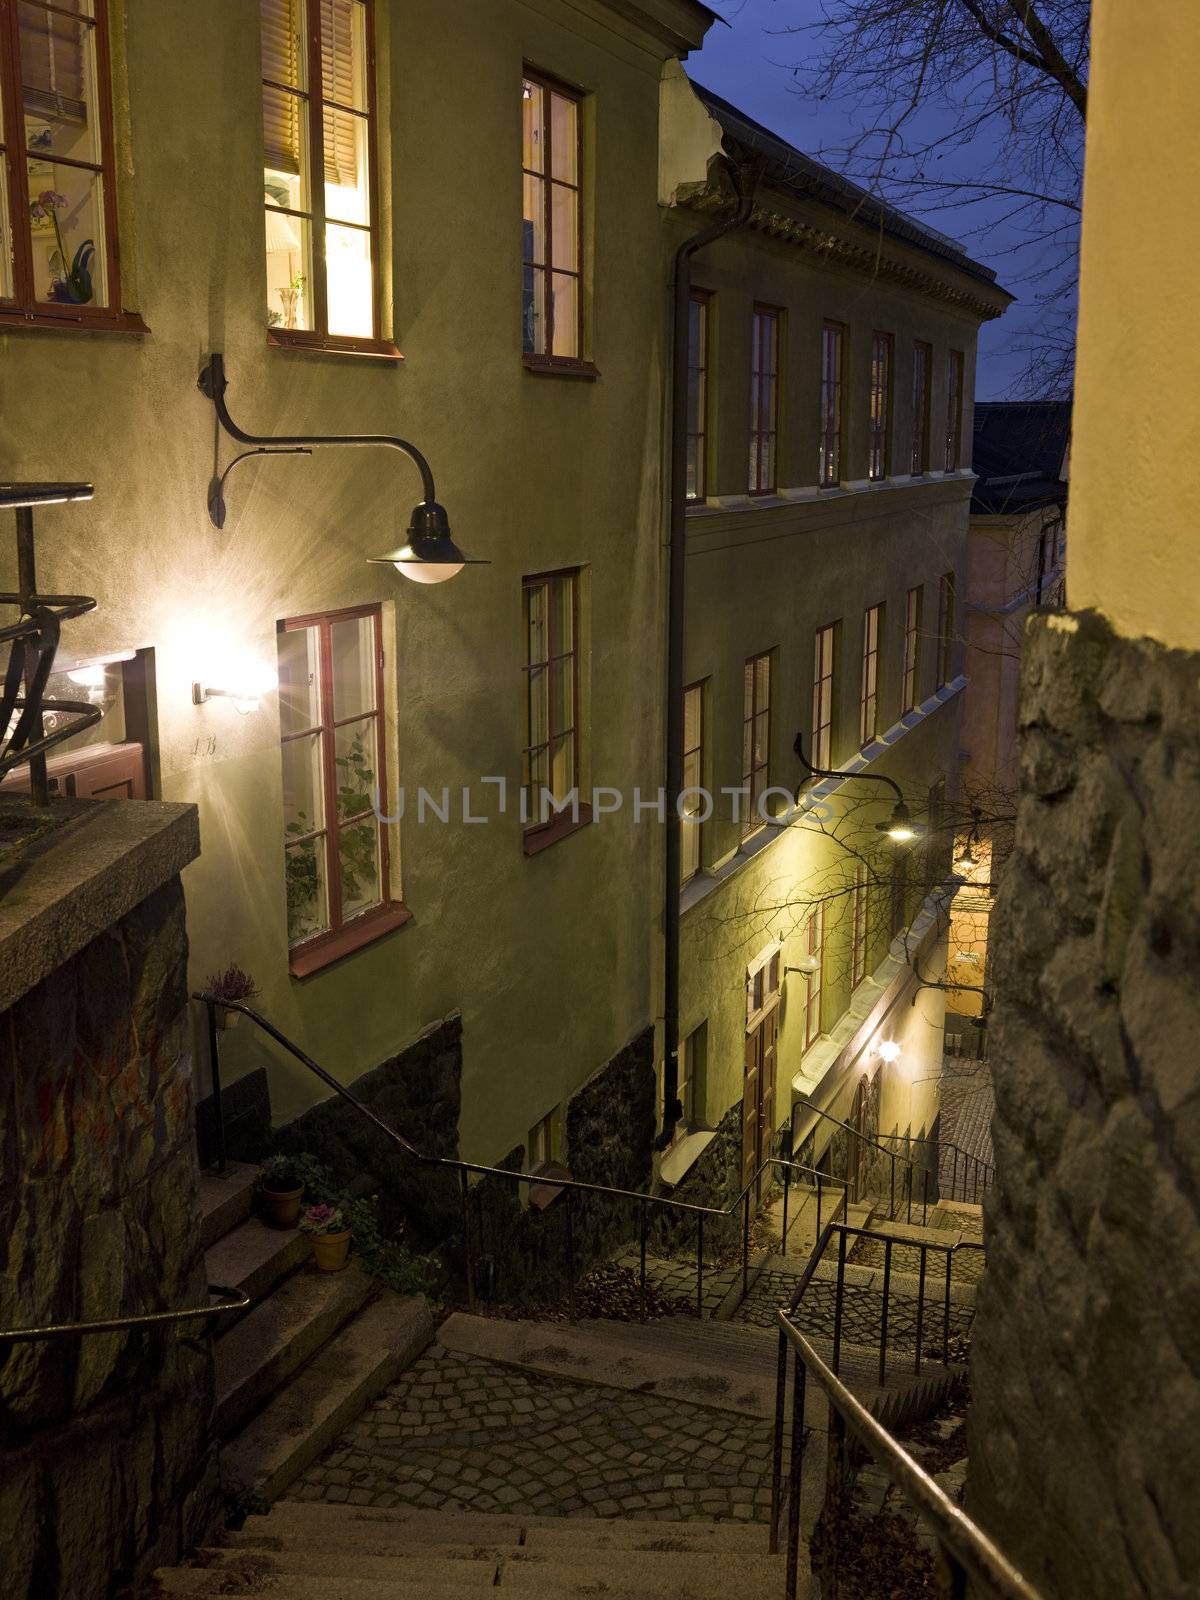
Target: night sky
(750, 63)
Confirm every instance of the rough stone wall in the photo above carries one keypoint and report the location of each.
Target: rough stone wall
(715, 1180)
(1085, 1430)
(105, 1466)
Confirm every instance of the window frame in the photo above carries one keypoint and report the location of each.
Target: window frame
(319, 338)
(914, 605)
(955, 400)
(24, 309)
(822, 748)
(702, 298)
(868, 709)
(859, 926)
(879, 416)
(765, 382)
(762, 1000)
(814, 982)
(946, 608)
(343, 936)
(693, 831)
(536, 835)
(922, 415)
(833, 405)
(751, 770)
(546, 361)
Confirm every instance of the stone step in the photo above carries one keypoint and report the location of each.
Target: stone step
(278, 1336)
(405, 1525)
(218, 1580)
(324, 1397)
(226, 1198)
(254, 1257)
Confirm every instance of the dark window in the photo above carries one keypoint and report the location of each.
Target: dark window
(922, 367)
(824, 652)
(954, 410)
(945, 628)
(552, 227)
(697, 405)
(912, 648)
(552, 734)
(693, 780)
(868, 720)
(756, 738)
(764, 399)
(879, 442)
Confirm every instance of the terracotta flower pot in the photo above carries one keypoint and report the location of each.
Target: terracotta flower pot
(282, 1206)
(330, 1250)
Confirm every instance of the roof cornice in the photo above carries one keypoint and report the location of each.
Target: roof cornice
(679, 24)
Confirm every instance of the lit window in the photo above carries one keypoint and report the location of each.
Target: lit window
(824, 651)
(756, 739)
(334, 777)
(869, 707)
(954, 410)
(912, 648)
(814, 982)
(881, 406)
(763, 977)
(552, 734)
(945, 628)
(858, 938)
(552, 253)
(922, 366)
(697, 412)
(58, 241)
(693, 781)
(764, 399)
(318, 178)
(545, 1141)
(832, 356)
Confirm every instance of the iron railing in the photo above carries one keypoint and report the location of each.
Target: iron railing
(906, 1199)
(571, 1187)
(230, 1300)
(977, 1174)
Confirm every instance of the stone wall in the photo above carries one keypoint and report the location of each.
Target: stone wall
(1085, 1431)
(714, 1180)
(105, 1462)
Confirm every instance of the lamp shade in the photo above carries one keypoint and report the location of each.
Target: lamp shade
(430, 554)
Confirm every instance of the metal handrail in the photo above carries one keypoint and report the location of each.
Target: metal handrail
(874, 1144)
(978, 1163)
(231, 1300)
(970, 1553)
(468, 1169)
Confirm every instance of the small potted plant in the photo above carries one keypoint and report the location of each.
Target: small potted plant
(281, 1184)
(330, 1236)
(231, 985)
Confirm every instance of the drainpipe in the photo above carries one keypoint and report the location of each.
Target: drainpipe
(744, 180)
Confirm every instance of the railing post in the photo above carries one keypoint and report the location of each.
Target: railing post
(837, 1304)
(746, 1245)
(946, 1313)
(787, 1184)
(924, 1195)
(908, 1189)
(700, 1267)
(954, 1179)
(892, 1206)
(883, 1311)
(920, 1306)
(571, 1254)
(468, 1244)
(642, 1253)
(819, 1186)
(799, 1374)
(975, 1183)
(777, 1443)
(835, 1501)
(214, 1060)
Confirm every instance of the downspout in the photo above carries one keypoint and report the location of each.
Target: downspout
(744, 179)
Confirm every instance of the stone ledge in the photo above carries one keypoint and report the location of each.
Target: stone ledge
(107, 858)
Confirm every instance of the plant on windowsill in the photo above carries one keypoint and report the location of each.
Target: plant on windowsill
(71, 285)
(231, 985)
(303, 882)
(358, 845)
(327, 1227)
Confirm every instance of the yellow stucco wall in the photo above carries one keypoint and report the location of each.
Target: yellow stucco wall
(1137, 402)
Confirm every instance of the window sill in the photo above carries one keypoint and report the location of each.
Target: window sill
(74, 321)
(537, 839)
(328, 345)
(560, 367)
(307, 959)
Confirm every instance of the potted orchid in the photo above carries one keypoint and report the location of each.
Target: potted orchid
(330, 1236)
(72, 284)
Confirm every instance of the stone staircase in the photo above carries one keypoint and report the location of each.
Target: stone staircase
(286, 1386)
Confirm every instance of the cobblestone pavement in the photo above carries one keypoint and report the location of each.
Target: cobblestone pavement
(967, 1103)
(461, 1433)
(677, 1277)
(860, 1312)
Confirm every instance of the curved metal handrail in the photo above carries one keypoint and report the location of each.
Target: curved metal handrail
(872, 1144)
(231, 1300)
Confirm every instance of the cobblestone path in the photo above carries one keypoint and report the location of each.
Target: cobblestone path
(860, 1312)
(677, 1277)
(967, 1103)
(461, 1433)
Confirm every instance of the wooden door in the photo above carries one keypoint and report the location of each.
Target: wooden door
(758, 1098)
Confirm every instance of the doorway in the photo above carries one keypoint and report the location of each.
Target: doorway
(758, 1099)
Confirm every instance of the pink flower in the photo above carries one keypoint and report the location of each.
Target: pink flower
(51, 199)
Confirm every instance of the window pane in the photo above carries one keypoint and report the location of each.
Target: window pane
(352, 642)
(66, 219)
(533, 311)
(566, 315)
(344, 52)
(534, 221)
(347, 195)
(289, 275)
(285, 149)
(693, 469)
(355, 760)
(562, 694)
(564, 139)
(531, 125)
(562, 602)
(6, 259)
(562, 766)
(358, 860)
(299, 681)
(284, 52)
(307, 897)
(58, 78)
(539, 706)
(303, 791)
(350, 282)
(536, 644)
(564, 226)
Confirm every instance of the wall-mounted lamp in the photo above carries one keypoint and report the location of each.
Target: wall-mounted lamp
(244, 683)
(807, 965)
(889, 1051)
(899, 827)
(90, 674)
(969, 859)
(429, 555)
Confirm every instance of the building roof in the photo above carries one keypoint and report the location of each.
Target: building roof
(797, 174)
(1020, 455)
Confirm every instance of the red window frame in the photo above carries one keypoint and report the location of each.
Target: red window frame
(693, 778)
(954, 409)
(880, 416)
(313, 97)
(946, 599)
(814, 982)
(756, 736)
(912, 647)
(833, 367)
(859, 927)
(918, 462)
(764, 399)
(343, 935)
(824, 706)
(546, 360)
(868, 715)
(538, 831)
(24, 307)
(699, 335)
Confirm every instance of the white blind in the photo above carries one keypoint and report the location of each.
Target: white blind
(282, 47)
(52, 67)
